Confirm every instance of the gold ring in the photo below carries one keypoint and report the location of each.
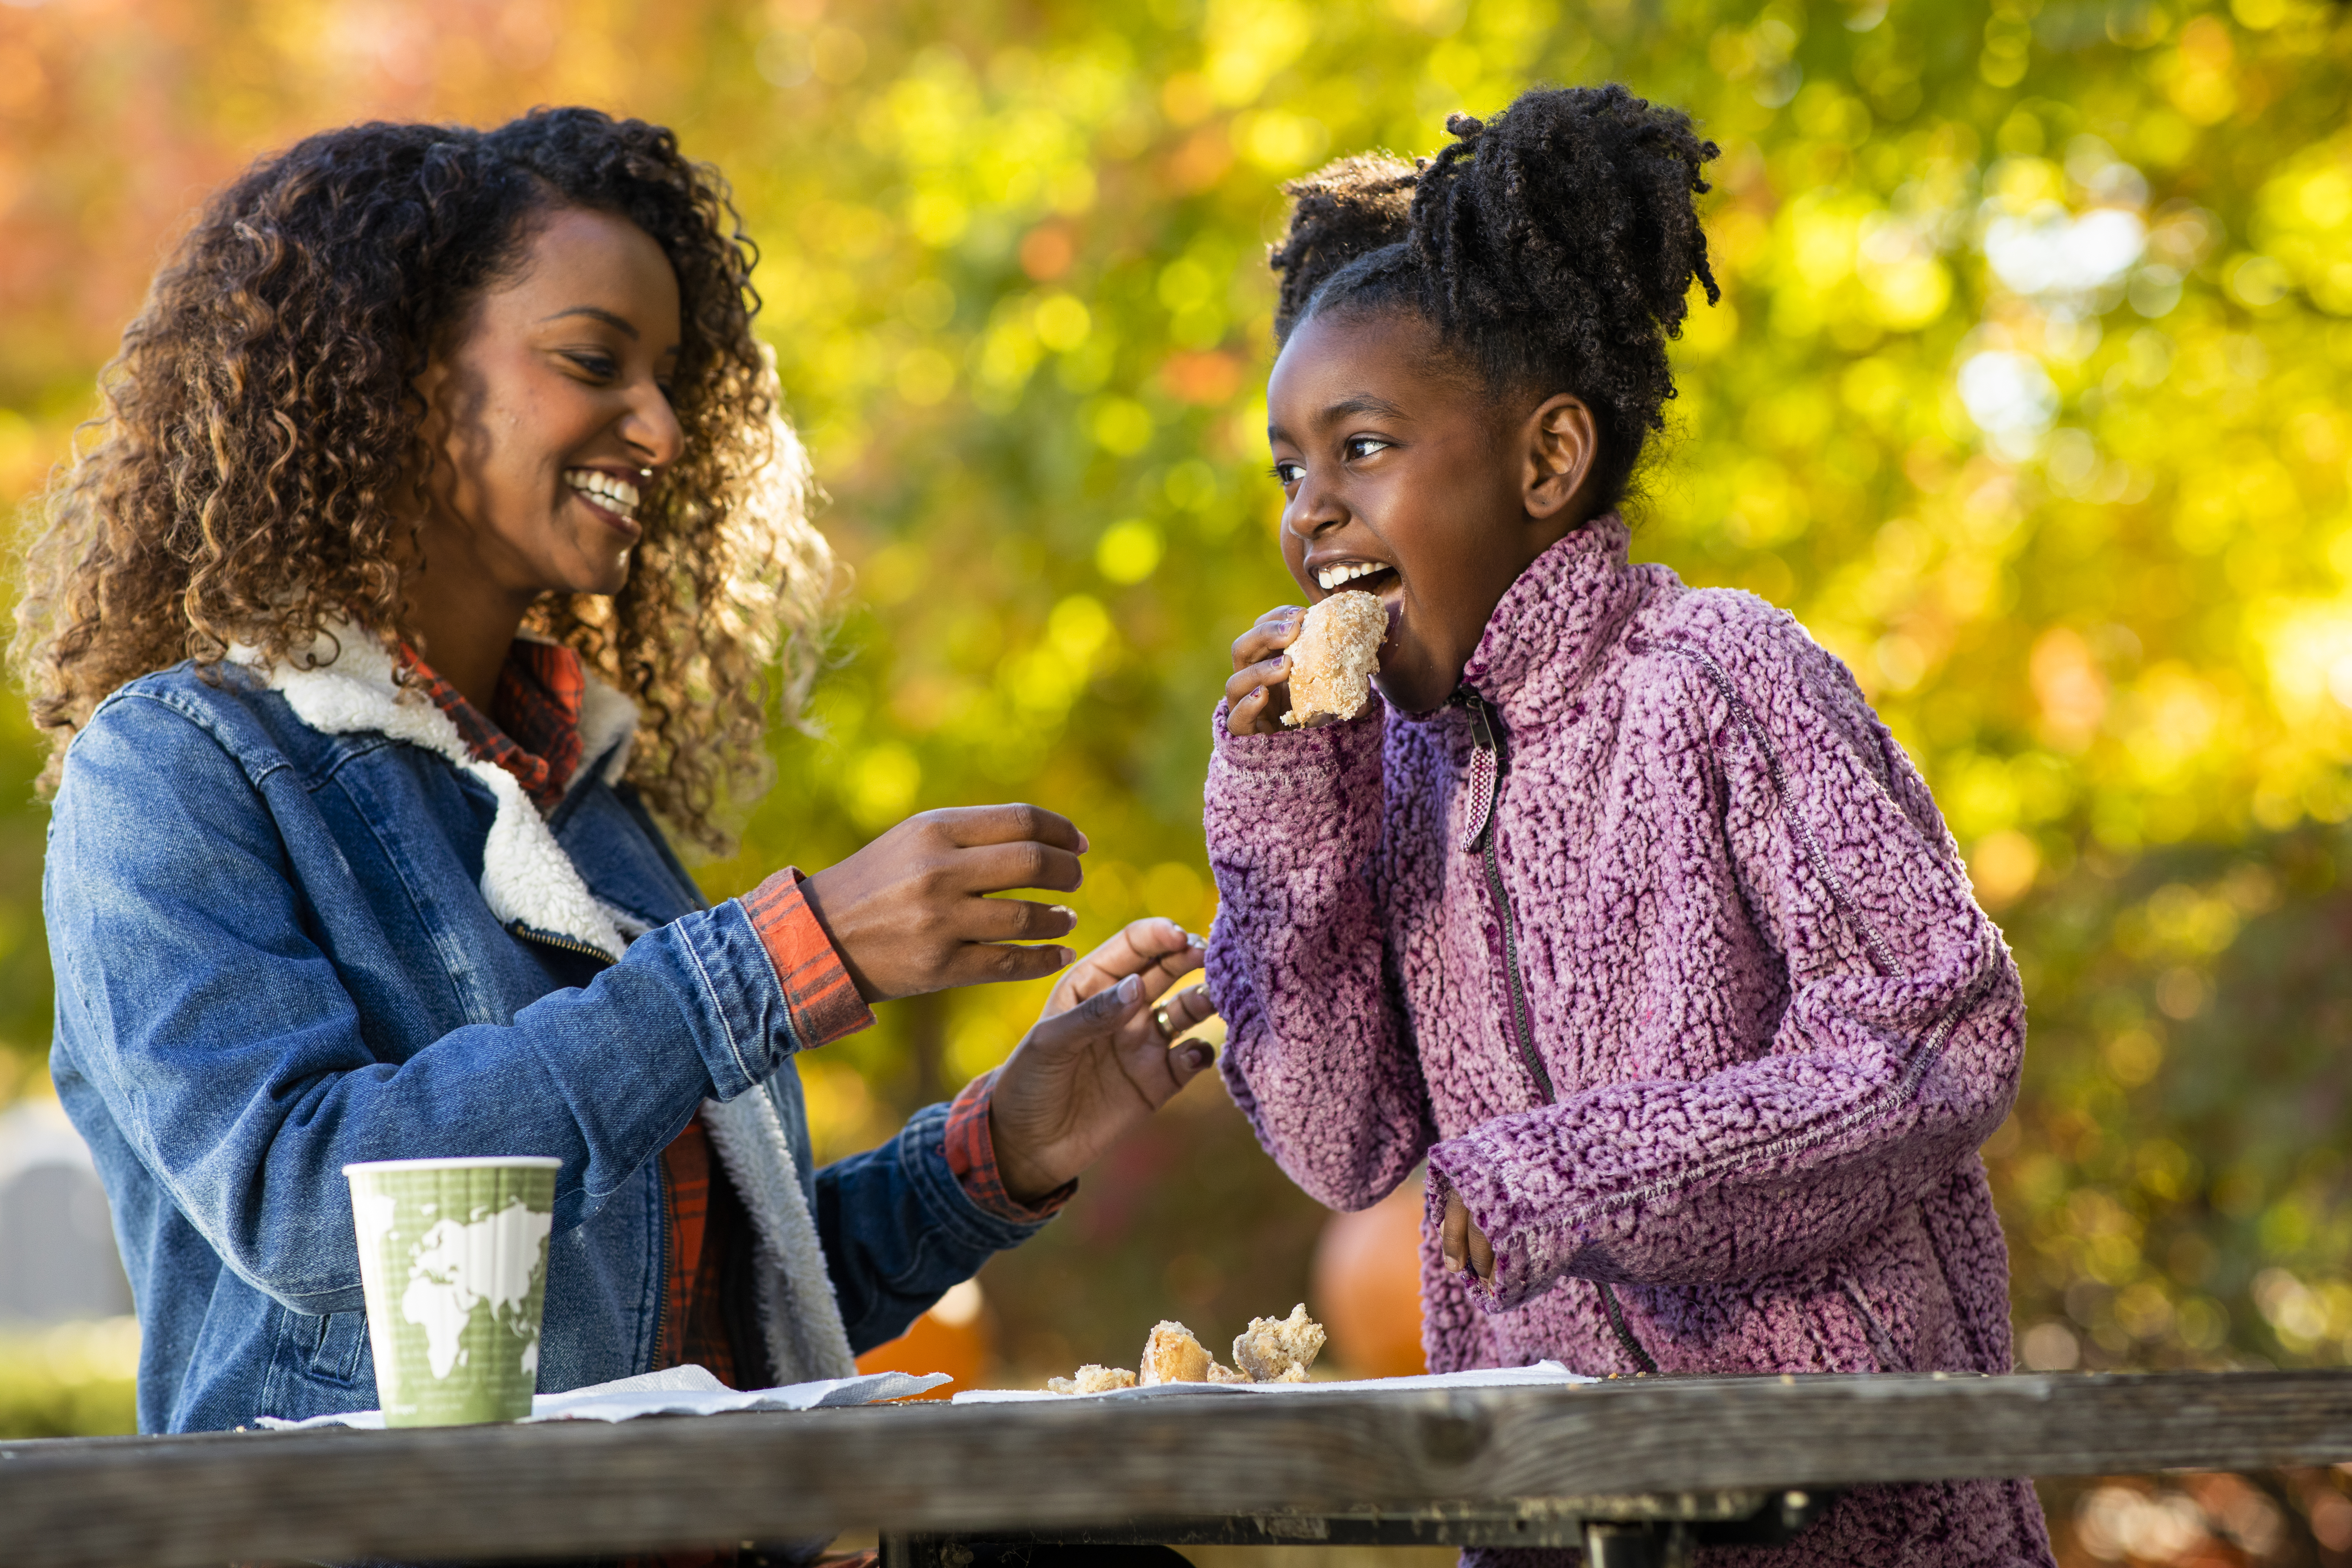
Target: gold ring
(1167, 1029)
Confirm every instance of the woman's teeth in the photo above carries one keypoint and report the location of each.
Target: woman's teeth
(1331, 577)
(614, 494)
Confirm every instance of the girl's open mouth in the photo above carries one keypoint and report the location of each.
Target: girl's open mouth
(1376, 578)
(1370, 576)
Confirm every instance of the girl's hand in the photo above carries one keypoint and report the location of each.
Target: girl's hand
(1259, 692)
(1098, 1065)
(1461, 1246)
(909, 912)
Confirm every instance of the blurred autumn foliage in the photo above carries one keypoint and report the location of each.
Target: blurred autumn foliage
(2027, 395)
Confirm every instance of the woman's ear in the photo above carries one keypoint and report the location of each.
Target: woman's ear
(1562, 444)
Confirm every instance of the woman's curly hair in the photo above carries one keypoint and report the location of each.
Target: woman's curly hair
(259, 427)
(1553, 246)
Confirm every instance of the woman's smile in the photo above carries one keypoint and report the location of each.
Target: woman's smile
(611, 497)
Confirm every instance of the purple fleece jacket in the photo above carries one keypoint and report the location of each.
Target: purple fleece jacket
(1776, 1023)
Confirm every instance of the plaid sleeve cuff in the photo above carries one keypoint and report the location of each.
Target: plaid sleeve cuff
(820, 995)
(972, 1157)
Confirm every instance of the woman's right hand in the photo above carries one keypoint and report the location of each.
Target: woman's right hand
(909, 912)
(1259, 695)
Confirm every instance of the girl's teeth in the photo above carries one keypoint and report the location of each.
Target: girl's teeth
(1331, 577)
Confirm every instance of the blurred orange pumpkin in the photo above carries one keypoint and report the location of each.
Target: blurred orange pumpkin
(953, 1337)
(1367, 1286)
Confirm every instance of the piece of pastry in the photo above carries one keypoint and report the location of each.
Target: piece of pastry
(1092, 1379)
(1220, 1372)
(1333, 658)
(1279, 1350)
(1173, 1355)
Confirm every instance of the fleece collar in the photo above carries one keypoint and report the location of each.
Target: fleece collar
(527, 878)
(1551, 628)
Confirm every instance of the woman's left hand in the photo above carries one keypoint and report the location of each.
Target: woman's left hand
(1098, 1063)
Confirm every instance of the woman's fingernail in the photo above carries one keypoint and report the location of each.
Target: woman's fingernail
(1083, 844)
(1066, 909)
(1200, 1055)
(1130, 988)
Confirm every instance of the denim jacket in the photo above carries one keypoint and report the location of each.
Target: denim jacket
(282, 946)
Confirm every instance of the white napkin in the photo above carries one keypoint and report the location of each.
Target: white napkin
(1544, 1373)
(687, 1390)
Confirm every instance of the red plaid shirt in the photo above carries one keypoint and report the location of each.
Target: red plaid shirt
(532, 731)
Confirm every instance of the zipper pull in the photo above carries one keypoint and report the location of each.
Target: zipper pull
(1484, 768)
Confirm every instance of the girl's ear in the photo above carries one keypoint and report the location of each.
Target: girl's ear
(1562, 444)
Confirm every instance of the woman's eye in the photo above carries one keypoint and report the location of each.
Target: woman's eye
(1365, 446)
(597, 365)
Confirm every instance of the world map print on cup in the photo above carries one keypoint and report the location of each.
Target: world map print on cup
(453, 1258)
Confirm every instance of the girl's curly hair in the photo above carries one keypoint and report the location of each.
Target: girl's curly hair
(1553, 246)
(260, 421)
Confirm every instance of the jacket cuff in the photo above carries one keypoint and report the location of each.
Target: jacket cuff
(922, 1154)
(1526, 1257)
(1329, 748)
(970, 1147)
(819, 995)
(749, 1032)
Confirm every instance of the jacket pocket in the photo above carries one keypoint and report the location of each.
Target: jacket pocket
(340, 1348)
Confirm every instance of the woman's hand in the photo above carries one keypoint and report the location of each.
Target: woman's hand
(1097, 1064)
(1259, 693)
(1461, 1246)
(908, 913)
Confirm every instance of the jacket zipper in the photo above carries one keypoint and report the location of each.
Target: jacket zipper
(669, 1229)
(1488, 763)
(1486, 768)
(561, 944)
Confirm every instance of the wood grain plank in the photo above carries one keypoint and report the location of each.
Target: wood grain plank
(573, 1488)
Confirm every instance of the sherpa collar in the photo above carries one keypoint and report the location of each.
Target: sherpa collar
(527, 878)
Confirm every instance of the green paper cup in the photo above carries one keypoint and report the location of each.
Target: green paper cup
(453, 1256)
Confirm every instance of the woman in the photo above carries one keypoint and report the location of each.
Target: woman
(430, 444)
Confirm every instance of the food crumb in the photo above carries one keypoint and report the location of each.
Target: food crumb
(1173, 1355)
(1092, 1379)
(1271, 1349)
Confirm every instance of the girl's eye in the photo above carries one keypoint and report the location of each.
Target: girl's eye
(1286, 474)
(1365, 446)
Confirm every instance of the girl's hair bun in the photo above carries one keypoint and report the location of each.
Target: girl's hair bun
(1553, 245)
(1342, 212)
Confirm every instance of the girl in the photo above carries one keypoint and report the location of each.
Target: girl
(1617, 905)
(429, 445)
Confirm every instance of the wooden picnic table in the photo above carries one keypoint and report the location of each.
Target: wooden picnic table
(1632, 1469)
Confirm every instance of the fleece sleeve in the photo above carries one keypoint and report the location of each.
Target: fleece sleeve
(1899, 1046)
(1316, 1052)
